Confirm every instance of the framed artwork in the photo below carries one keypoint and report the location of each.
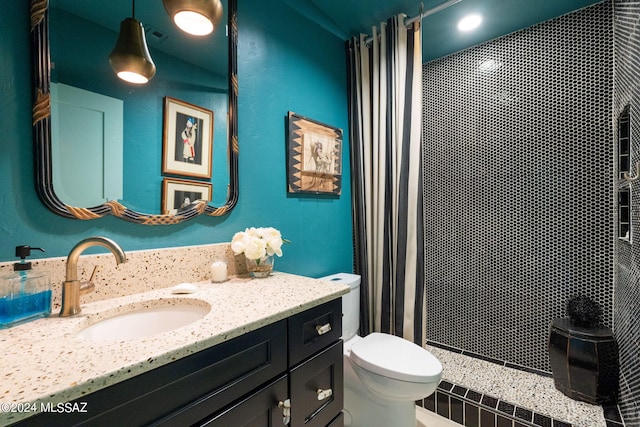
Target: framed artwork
(180, 194)
(187, 139)
(314, 157)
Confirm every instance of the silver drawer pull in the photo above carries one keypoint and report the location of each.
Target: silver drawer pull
(286, 411)
(323, 329)
(324, 394)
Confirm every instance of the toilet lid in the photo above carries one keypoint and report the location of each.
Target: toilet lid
(396, 358)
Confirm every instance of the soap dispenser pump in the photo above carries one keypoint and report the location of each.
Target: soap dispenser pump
(25, 294)
(23, 252)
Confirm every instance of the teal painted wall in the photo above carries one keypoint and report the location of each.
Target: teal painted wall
(285, 63)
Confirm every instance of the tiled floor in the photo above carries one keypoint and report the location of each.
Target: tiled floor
(522, 389)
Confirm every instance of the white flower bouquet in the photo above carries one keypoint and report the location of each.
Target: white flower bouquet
(258, 243)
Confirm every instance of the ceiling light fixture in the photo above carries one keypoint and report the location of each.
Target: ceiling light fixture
(130, 58)
(196, 17)
(470, 22)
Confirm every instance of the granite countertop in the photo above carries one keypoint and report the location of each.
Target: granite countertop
(44, 361)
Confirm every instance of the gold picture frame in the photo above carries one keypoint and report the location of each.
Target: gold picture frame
(187, 139)
(180, 194)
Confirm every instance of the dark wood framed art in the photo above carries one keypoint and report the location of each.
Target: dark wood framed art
(314, 156)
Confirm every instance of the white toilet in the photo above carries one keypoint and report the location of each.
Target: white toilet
(383, 374)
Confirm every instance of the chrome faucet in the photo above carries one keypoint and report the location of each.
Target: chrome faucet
(72, 288)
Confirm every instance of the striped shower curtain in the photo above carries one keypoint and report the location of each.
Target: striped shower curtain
(385, 108)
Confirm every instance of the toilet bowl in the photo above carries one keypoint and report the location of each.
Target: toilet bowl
(383, 374)
(395, 368)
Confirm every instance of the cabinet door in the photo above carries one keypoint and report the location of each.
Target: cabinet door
(317, 389)
(260, 409)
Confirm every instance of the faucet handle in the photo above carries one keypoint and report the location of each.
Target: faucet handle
(89, 286)
(93, 273)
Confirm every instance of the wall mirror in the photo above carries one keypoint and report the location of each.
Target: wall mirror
(71, 42)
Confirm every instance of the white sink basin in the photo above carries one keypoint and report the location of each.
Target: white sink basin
(144, 322)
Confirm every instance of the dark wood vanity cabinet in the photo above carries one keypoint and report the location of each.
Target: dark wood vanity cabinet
(312, 383)
(315, 365)
(289, 371)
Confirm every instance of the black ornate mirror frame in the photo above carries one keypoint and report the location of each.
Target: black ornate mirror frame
(42, 133)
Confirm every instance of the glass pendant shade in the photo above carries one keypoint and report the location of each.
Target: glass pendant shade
(130, 58)
(197, 17)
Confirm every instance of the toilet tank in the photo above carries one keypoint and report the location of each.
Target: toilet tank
(350, 303)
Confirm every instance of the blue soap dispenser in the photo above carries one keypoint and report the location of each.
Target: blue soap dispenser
(25, 294)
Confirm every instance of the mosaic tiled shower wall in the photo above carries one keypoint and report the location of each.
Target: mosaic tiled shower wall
(519, 211)
(627, 266)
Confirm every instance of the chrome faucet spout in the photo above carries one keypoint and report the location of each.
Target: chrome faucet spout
(72, 288)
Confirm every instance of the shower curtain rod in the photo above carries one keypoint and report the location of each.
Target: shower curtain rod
(424, 14)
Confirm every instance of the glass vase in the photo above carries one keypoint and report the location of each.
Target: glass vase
(260, 267)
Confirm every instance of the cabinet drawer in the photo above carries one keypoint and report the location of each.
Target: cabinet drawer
(312, 405)
(260, 409)
(314, 329)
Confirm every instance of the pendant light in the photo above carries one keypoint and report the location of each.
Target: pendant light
(130, 58)
(196, 17)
